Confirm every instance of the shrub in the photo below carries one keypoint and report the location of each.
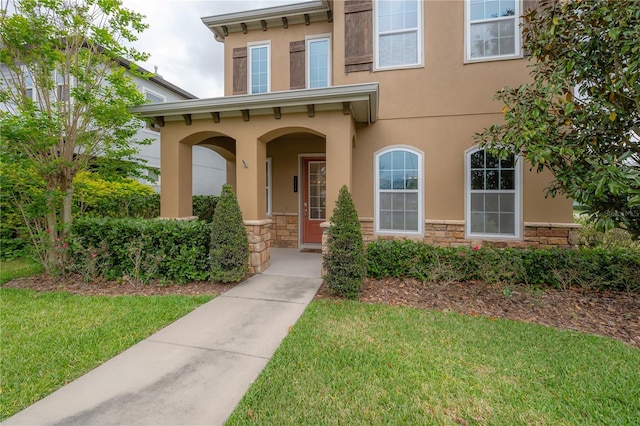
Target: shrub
(126, 197)
(615, 269)
(204, 206)
(229, 252)
(344, 261)
(141, 249)
(589, 236)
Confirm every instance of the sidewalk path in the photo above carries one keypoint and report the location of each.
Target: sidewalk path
(196, 370)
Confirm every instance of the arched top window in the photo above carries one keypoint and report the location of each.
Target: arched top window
(492, 195)
(398, 191)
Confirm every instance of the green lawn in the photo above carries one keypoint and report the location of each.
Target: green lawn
(49, 339)
(16, 268)
(353, 363)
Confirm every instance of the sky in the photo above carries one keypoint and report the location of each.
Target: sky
(182, 47)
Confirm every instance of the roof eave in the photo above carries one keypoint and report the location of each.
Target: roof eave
(216, 22)
(357, 93)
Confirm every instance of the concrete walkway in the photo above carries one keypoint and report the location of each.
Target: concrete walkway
(196, 370)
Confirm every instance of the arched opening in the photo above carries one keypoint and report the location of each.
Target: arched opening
(296, 186)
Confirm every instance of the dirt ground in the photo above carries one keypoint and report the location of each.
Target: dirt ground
(612, 314)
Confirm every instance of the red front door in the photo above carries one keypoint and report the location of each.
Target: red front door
(314, 184)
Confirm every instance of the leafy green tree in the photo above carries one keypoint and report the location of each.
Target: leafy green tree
(229, 250)
(66, 97)
(579, 117)
(345, 261)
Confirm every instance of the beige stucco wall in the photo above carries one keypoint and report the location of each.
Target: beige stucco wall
(280, 38)
(435, 108)
(332, 129)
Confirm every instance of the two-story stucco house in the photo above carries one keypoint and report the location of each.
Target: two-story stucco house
(381, 96)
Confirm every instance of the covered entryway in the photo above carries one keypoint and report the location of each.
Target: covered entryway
(255, 124)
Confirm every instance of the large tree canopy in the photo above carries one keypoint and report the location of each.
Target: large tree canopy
(580, 115)
(65, 96)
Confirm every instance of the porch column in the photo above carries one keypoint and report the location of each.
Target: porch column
(176, 188)
(338, 154)
(251, 185)
(251, 178)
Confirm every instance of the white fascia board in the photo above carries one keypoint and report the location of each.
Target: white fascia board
(236, 18)
(367, 92)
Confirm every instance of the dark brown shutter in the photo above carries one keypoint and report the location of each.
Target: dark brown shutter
(296, 65)
(358, 34)
(239, 70)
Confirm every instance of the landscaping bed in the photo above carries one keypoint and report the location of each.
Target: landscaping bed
(606, 313)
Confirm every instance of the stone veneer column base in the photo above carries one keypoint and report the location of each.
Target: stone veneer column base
(259, 233)
(284, 230)
(451, 233)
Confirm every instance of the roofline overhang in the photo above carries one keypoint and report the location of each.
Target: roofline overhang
(217, 22)
(361, 100)
(157, 79)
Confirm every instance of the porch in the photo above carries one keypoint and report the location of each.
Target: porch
(288, 154)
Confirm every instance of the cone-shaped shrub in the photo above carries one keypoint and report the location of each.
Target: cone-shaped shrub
(345, 262)
(229, 251)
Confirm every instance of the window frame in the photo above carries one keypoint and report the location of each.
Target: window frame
(377, 191)
(250, 47)
(311, 39)
(517, 191)
(62, 91)
(145, 90)
(518, 53)
(420, 42)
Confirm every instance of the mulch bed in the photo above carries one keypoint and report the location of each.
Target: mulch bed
(608, 313)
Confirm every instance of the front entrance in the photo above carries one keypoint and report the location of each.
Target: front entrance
(314, 199)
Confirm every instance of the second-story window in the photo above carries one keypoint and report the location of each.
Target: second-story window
(62, 87)
(28, 89)
(493, 29)
(259, 65)
(318, 62)
(398, 27)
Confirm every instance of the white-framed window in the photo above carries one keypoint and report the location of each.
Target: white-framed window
(318, 61)
(62, 86)
(29, 86)
(492, 29)
(269, 185)
(398, 33)
(493, 195)
(398, 191)
(259, 67)
(154, 98)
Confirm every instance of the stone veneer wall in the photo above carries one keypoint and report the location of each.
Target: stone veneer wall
(284, 230)
(259, 233)
(451, 233)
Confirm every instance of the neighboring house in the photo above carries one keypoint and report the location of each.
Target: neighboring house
(381, 96)
(208, 168)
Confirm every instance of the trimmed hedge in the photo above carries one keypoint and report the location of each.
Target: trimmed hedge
(615, 269)
(171, 250)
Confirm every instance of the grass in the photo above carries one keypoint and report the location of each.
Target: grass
(49, 339)
(17, 268)
(352, 363)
